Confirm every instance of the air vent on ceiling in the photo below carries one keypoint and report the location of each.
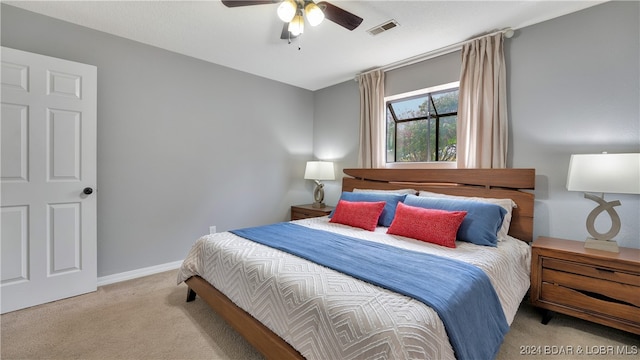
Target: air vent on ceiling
(383, 27)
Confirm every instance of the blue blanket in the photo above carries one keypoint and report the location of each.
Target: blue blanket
(460, 293)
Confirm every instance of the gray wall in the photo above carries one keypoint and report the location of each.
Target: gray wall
(433, 72)
(182, 144)
(573, 87)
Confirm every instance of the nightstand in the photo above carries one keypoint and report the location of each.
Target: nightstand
(308, 211)
(594, 285)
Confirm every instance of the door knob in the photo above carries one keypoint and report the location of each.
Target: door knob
(87, 191)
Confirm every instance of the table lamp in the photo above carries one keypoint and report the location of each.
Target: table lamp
(604, 173)
(316, 171)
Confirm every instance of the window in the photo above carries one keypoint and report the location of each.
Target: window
(421, 125)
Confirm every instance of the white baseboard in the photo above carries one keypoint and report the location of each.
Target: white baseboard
(133, 274)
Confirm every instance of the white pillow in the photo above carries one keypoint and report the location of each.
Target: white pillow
(506, 204)
(399, 191)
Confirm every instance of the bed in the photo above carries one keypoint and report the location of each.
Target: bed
(289, 307)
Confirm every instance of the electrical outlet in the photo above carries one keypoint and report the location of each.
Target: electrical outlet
(212, 229)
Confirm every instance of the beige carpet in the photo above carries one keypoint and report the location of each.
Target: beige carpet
(148, 318)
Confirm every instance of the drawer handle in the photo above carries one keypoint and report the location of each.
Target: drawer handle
(605, 270)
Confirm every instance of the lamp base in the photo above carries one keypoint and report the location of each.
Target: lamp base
(318, 205)
(604, 245)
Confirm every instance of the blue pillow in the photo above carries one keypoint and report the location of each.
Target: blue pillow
(389, 211)
(480, 226)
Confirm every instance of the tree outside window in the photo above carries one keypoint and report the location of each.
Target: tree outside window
(421, 127)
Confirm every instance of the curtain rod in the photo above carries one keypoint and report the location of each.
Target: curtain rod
(508, 33)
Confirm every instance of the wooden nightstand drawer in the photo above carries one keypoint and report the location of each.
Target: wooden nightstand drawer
(597, 272)
(596, 287)
(570, 298)
(304, 214)
(308, 211)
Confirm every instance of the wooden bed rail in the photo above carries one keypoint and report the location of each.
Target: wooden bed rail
(262, 338)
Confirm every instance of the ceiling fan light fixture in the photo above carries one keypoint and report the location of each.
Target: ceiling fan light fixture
(296, 25)
(314, 14)
(287, 10)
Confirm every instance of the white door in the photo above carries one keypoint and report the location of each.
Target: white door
(48, 158)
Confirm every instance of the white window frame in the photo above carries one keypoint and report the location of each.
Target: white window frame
(425, 164)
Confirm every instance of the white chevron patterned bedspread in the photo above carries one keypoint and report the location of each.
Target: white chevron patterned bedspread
(328, 315)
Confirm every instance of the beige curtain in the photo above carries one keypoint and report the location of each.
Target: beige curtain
(372, 121)
(482, 105)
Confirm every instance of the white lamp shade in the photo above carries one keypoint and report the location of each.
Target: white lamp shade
(287, 10)
(296, 25)
(604, 173)
(314, 14)
(319, 170)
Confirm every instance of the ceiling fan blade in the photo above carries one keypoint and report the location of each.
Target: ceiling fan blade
(238, 3)
(286, 35)
(339, 16)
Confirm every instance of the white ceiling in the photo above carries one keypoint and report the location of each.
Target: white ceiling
(248, 38)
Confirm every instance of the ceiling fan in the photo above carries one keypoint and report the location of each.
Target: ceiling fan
(294, 12)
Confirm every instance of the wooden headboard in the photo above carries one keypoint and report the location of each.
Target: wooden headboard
(489, 183)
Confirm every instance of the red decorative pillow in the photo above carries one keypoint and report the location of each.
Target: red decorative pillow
(358, 213)
(430, 225)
